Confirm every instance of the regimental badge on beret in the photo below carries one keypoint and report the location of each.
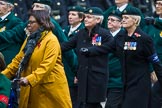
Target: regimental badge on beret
(125, 11)
(90, 11)
(116, 13)
(94, 11)
(132, 11)
(76, 8)
(58, 3)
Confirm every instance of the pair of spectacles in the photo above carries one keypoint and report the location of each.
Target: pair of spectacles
(112, 20)
(32, 22)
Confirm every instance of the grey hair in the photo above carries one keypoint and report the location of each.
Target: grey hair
(138, 18)
(101, 17)
(10, 5)
(48, 8)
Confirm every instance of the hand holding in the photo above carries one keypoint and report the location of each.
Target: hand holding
(24, 81)
(84, 51)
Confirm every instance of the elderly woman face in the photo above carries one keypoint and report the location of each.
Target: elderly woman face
(32, 24)
(90, 21)
(128, 21)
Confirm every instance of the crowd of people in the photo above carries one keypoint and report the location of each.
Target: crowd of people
(59, 7)
(77, 53)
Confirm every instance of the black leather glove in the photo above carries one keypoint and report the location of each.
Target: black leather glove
(149, 20)
(84, 51)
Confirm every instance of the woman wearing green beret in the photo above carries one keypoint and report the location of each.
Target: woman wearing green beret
(136, 51)
(92, 47)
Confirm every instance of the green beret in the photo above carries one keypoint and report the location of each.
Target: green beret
(76, 8)
(116, 13)
(9, 1)
(2, 62)
(132, 11)
(46, 2)
(94, 11)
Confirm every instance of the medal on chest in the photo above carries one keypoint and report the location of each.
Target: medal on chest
(96, 40)
(130, 45)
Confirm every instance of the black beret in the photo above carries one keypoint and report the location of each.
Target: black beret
(94, 11)
(132, 11)
(76, 8)
(116, 13)
(9, 1)
(46, 2)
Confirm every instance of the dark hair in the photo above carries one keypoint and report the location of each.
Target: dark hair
(43, 18)
(81, 15)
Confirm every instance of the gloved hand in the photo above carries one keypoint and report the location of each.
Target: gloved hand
(149, 20)
(84, 51)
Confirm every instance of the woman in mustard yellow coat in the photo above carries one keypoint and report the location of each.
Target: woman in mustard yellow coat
(43, 82)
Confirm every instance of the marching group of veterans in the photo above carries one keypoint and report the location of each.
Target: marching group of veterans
(112, 55)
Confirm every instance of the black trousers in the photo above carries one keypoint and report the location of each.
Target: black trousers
(74, 96)
(156, 99)
(90, 105)
(114, 98)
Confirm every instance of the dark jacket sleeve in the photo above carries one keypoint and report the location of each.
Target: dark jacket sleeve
(153, 58)
(17, 34)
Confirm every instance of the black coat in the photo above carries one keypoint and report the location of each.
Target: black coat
(135, 57)
(93, 71)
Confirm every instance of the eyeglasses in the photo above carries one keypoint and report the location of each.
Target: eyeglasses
(32, 22)
(112, 20)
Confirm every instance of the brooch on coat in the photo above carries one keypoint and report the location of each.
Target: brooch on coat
(96, 40)
(137, 35)
(38, 44)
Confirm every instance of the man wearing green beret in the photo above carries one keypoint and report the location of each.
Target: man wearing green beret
(8, 21)
(92, 45)
(5, 85)
(75, 19)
